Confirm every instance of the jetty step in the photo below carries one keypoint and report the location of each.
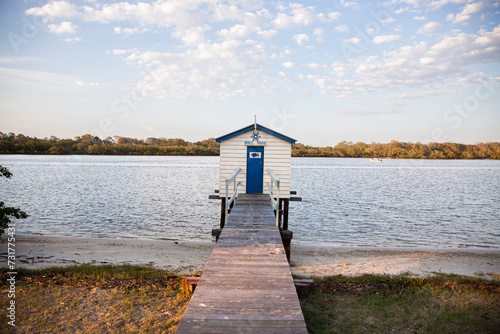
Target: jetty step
(246, 285)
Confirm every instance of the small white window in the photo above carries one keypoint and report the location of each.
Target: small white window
(255, 155)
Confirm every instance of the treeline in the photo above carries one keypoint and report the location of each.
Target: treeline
(401, 150)
(88, 144)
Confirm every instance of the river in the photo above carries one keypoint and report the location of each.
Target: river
(346, 202)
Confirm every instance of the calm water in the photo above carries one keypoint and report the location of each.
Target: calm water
(347, 202)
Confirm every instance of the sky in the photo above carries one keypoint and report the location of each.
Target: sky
(317, 71)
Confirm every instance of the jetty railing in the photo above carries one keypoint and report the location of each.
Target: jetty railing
(274, 202)
(229, 180)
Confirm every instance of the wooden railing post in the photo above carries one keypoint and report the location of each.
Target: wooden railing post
(229, 202)
(275, 202)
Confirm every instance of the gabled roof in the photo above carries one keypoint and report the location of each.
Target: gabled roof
(259, 127)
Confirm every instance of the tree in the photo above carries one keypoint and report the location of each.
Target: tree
(6, 213)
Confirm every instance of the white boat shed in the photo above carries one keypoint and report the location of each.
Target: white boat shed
(256, 158)
(255, 149)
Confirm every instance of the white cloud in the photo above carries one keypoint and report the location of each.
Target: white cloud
(349, 4)
(402, 10)
(8, 60)
(467, 49)
(433, 4)
(320, 34)
(223, 51)
(467, 12)
(316, 66)
(237, 31)
(334, 15)
(190, 20)
(209, 71)
(430, 27)
(476, 79)
(87, 84)
(39, 79)
(163, 14)
(339, 69)
(301, 38)
(266, 34)
(72, 40)
(485, 16)
(474, 7)
(299, 16)
(426, 60)
(192, 35)
(342, 28)
(429, 68)
(116, 12)
(385, 38)
(55, 9)
(119, 52)
(353, 40)
(129, 31)
(255, 19)
(63, 28)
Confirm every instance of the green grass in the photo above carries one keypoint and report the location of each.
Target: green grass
(95, 299)
(102, 271)
(142, 299)
(403, 304)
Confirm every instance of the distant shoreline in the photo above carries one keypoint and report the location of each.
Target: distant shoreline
(194, 156)
(93, 145)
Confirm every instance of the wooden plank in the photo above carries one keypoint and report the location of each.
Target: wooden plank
(244, 323)
(256, 310)
(253, 317)
(234, 306)
(194, 329)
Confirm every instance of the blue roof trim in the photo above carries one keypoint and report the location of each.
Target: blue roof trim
(259, 127)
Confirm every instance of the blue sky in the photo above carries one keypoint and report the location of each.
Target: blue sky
(318, 71)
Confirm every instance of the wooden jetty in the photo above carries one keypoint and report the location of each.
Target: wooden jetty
(246, 285)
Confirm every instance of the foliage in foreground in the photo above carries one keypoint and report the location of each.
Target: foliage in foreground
(7, 212)
(403, 304)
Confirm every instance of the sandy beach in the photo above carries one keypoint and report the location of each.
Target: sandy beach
(38, 251)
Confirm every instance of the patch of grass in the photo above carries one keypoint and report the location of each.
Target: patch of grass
(142, 299)
(103, 271)
(403, 304)
(95, 299)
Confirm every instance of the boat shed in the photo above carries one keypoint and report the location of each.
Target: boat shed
(256, 150)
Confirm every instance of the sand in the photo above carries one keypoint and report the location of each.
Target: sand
(38, 251)
(326, 261)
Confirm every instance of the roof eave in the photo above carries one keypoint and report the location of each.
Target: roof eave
(259, 127)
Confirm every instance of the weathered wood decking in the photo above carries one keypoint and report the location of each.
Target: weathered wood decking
(246, 286)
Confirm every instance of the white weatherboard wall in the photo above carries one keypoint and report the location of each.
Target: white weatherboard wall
(277, 157)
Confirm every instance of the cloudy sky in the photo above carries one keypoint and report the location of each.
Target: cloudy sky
(318, 71)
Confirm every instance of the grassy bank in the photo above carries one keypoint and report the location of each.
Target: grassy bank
(403, 304)
(135, 299)
(96, 299)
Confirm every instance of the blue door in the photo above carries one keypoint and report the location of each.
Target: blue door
(255, 169)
